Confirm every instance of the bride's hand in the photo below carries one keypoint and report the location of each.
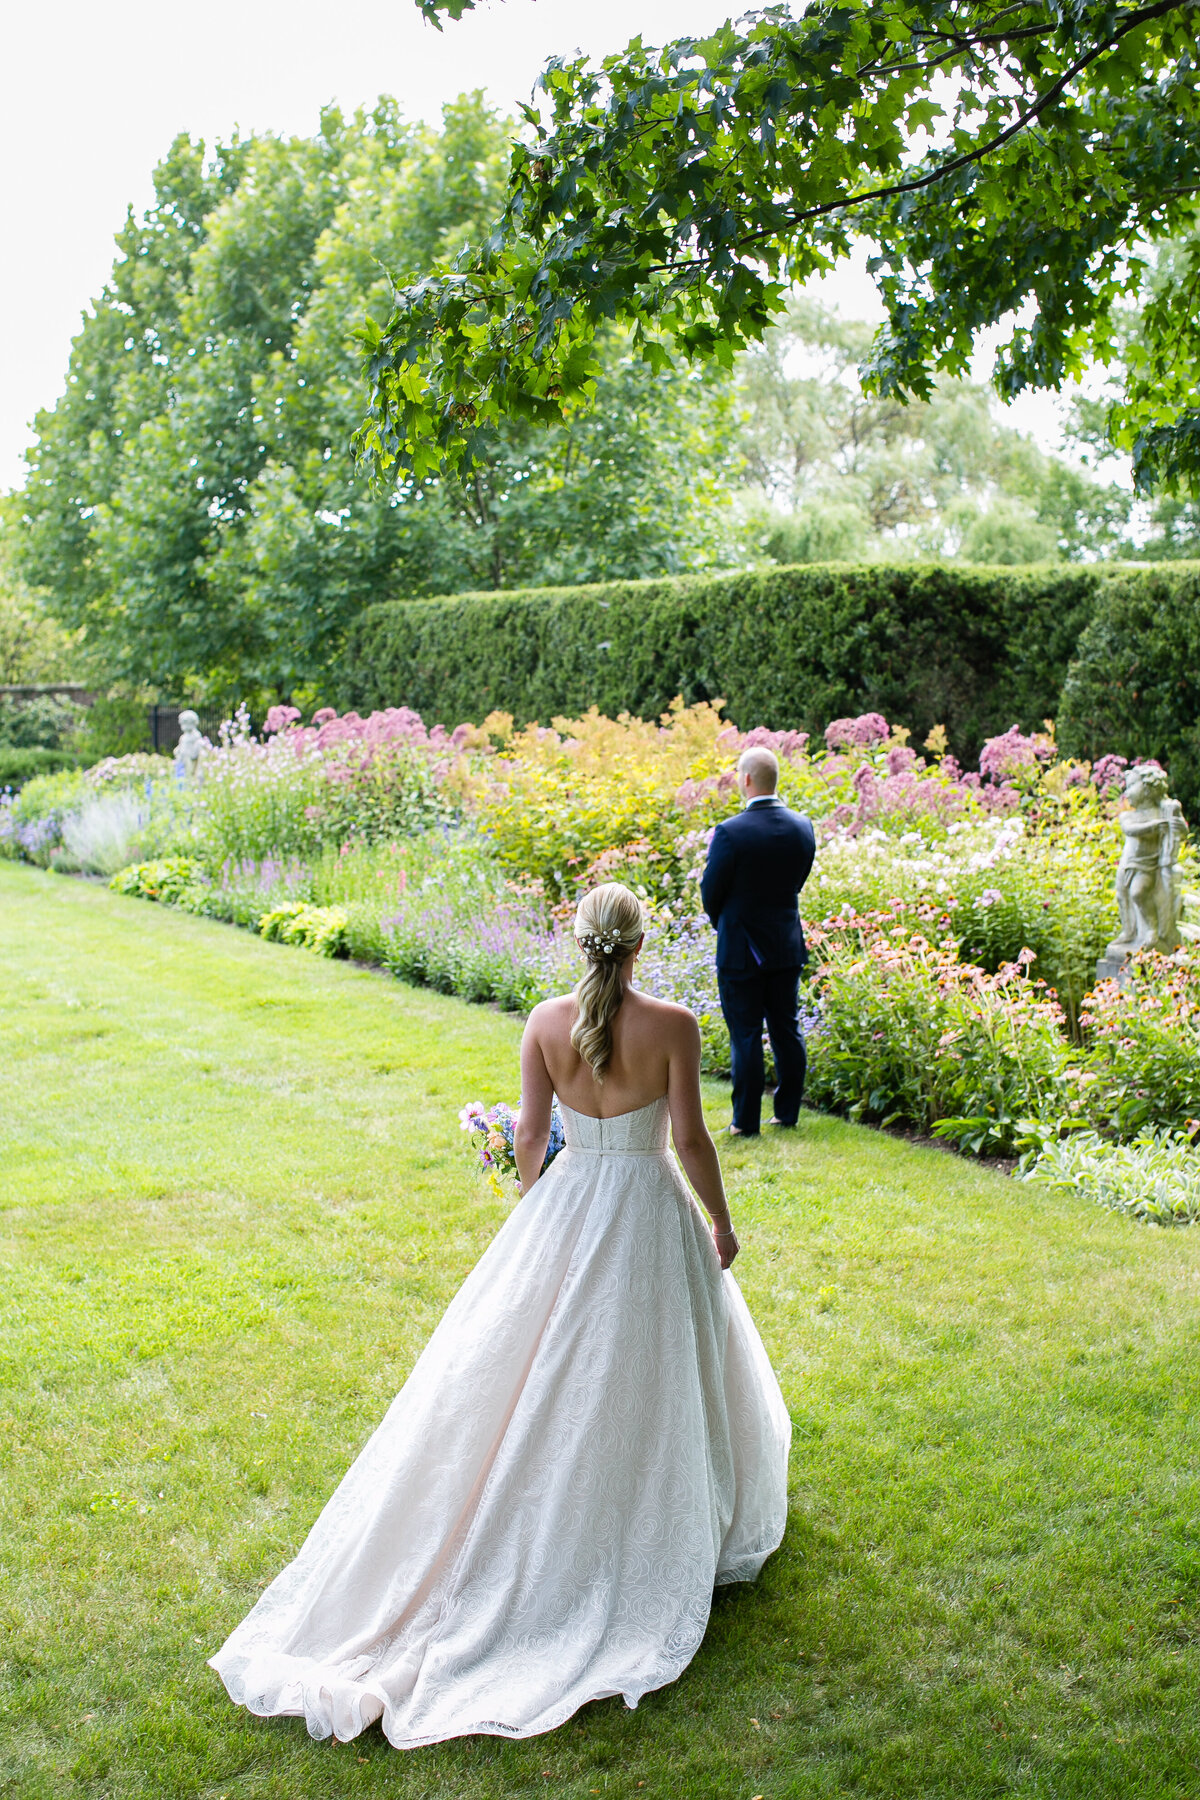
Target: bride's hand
(727, 1246)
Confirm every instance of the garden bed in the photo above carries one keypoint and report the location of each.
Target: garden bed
(955, 916)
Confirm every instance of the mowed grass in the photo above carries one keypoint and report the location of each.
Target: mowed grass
(235, 1201)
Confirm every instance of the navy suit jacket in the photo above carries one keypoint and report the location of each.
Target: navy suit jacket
(757, 864)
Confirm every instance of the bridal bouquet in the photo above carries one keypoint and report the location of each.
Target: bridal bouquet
(492, 1130)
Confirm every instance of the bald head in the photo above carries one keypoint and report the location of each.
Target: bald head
(758, 771)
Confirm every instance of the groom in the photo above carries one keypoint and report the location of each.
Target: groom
(757, 864)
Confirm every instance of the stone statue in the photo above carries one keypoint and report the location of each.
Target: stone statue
(190, 747)
(1177, 836)
(1149, 880)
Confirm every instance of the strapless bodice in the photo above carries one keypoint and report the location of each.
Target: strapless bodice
(642, 1132)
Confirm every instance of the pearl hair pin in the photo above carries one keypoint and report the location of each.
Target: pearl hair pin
(594, 943)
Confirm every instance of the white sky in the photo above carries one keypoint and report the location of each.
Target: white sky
(91, 96)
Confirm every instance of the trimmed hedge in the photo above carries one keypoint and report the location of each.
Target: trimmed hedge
(1134, 686)
(976, 650)
(17, 766)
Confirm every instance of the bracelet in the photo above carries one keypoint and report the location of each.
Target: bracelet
(730, 1233)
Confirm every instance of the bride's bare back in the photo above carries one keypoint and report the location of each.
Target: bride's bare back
(647, 1035)
(655, 1052)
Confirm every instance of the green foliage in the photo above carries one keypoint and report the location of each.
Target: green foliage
(245, 894)
(34, 648)
(114, 726)
(134, 769)
(102, 818)
(19, 766)
(1144, 1037)
(318, 928)
(1156, 1177)
(192, 500)
(1053, 895)
(439, 911)
(393, 794)
(170, 879)
(850, 476)
(1001, 163)
(1134, 686)
(248, 812)
(265, 801)
(51, 796)
(40, 722)
(785, 648)
(910, 1034)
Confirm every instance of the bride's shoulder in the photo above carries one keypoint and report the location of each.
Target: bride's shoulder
(667, 1014)
(551, 1012)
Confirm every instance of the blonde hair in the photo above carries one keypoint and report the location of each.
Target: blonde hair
(608, 924)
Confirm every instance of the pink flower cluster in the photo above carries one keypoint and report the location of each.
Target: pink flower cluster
(884, 944)
(906, 788)
(1108, 774)
(787, 745)
(1012, 755)
(863, 733)
(692, 793)
(394, 725)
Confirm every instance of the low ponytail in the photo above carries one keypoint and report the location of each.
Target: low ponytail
(608, 927)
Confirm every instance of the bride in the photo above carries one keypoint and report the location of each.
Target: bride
(592, 1439)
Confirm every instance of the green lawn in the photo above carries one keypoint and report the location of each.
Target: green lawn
(235, 1200)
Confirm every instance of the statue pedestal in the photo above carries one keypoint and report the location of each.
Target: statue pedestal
(1112, 968)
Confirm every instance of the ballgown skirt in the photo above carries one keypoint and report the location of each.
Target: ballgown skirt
(592, 1439)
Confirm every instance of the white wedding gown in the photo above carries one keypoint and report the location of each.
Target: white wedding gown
(591, 1440)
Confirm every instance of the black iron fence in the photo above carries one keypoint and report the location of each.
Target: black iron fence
(164, 725)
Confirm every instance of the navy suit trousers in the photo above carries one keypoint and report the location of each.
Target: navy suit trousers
(748, 1001)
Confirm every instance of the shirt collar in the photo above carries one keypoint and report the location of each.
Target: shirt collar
(763, 800)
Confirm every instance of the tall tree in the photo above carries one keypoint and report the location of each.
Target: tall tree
(1171, 523)
(1008, 161)
(192, 500)
(33, 645)
(846, 474)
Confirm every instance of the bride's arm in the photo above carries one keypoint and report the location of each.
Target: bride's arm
(537, 1100)
(693, 1144)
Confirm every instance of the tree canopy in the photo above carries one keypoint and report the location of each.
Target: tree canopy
(33, 645)
(1011, 165)
(192, 501)
(845, 475)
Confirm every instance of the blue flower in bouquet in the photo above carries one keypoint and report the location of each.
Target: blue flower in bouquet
(493, 1130)
(558, 1137)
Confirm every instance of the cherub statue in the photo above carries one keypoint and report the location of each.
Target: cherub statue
(1171, 915)
(1149, 884)
(190, 747)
